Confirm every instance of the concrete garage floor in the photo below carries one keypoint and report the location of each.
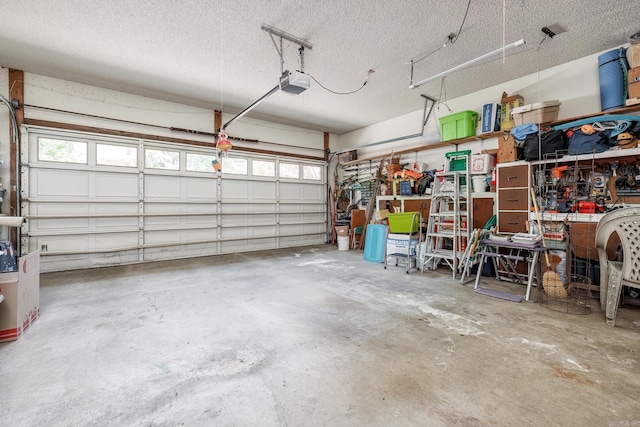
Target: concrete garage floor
(310, 337)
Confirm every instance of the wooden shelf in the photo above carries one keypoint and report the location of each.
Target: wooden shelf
(624, 110)
(453, 142)
(489, 135)
(609, 154)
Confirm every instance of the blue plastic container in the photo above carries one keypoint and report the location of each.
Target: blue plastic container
(612, 72)
(375, 242)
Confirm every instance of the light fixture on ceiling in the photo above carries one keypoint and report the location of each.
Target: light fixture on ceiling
(469, 63)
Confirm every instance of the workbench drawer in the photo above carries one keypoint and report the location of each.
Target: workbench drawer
(512, 222)
(513, 176)
(516, 199)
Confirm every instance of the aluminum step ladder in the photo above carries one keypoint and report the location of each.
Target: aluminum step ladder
(450, 217)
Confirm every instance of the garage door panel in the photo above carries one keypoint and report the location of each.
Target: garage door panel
(249, 220)
(290, 191)
(248, 208)
(264, 191)
(313, 192)
(162, 187)
(60, 183)
(116, 185)
(176, 209)
(180, 251)
(85, 209)
(161, 236)
(178, 236)
(289, 208)
(290, 228)
(155, 221)
(200, 188)
(116, 240)
(115, 208)
(64, 243)
(312, 228)
(41, 225)
(74, 262)
(248, 232)
(234, 190)
(130, 223)
(240, 246)
(59, 209)
(202, 221)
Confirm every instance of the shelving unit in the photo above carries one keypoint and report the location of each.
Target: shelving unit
(452, 143)
(484, 136)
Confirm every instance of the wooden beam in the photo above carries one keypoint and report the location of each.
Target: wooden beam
(217, 120)
(326, 146)
(16, 92)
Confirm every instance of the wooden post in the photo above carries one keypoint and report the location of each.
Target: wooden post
(217, 120)
(16, 92)
(326, 146)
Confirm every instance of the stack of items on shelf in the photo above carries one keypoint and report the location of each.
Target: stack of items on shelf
(402, 181)
(586, 136)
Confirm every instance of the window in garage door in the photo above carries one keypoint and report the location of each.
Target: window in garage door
(94, 200)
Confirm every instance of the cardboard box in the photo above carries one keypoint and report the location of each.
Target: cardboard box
(634, 90)
(482, 163)
(508, 103)
(540, 112)
(399, 244)
(342, 230)
(349, 156)
(507, 151)
(21, 291)
(634, 75)
(382, 214)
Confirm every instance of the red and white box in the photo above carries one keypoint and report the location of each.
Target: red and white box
(21, 291)
(482, 163)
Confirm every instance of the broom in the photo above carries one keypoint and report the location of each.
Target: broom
(551, 282)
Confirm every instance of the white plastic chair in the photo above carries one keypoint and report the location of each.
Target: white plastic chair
(613, 275)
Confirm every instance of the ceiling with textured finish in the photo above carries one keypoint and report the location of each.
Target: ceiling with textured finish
(214, 54)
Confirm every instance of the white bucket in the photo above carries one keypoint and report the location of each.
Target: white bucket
(343, 243)
(479, 183)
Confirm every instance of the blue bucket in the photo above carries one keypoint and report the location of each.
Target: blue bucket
(612, 71)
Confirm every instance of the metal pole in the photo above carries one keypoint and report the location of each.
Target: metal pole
(252, 106)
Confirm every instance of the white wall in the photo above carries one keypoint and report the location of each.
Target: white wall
(41, 91)
(58, 94)
(575, 84)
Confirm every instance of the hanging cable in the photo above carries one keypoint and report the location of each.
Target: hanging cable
(443, 89)
(451, 38)
(455, 38)
(343, 93)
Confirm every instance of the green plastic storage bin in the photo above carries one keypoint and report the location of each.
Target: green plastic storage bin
(458, 125)
(400, 222)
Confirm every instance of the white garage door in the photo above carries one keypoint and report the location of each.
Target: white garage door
(92, 200)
